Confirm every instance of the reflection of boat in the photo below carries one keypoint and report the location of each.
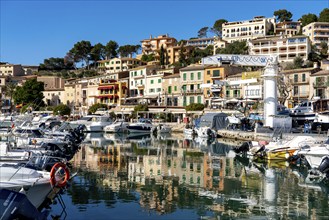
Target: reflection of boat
(161, 129)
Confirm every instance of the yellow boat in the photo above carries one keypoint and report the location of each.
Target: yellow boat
(280, 153)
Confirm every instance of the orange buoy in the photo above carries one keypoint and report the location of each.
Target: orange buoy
(58, 179)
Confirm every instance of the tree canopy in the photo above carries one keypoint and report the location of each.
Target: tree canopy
(308, 18)
(111, 49)
(128, 50)
(324, 15)
(237, 47)
(217, 27)
(30, 92)
(62, 110)
(96, 106)
(81, 51)
(98, 52)
(194, 107)
(283, 15)
(203, 32)
(56, 63)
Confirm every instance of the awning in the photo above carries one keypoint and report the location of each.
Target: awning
(105, 87)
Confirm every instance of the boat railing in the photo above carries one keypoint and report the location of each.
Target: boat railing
(38, 162)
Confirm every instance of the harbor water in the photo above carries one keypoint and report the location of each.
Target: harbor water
(175, 177)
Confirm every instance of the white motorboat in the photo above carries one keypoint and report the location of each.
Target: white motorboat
(119, 126)
(93, 123)
(321, 121)
(304, 111)
(34, 184)
(314, 153)
(143, 126)
(205, 132)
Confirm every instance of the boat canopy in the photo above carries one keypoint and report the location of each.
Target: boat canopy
(215, 121)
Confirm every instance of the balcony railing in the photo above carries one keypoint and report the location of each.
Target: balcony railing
(293, 82)
(193, 91)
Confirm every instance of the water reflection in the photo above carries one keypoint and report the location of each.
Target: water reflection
(172, 174)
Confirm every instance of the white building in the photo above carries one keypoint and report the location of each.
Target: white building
(250, 29)
(317, 32)
(287, 48)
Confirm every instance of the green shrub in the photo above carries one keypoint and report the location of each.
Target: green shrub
(62, 110)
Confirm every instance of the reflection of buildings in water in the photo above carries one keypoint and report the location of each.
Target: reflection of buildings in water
(160, 197)
(136, 170)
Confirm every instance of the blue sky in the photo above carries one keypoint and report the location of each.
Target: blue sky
(31, 31)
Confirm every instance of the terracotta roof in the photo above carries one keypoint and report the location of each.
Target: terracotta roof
(193, 67)
(321, 73)
(311, 69)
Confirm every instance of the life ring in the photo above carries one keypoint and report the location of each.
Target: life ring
(56, 180)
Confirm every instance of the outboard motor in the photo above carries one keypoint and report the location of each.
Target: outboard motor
(324, 166)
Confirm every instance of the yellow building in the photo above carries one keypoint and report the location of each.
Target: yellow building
(118, 64)
(112, 92)
(153, 45)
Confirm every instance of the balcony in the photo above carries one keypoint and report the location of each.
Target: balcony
(196, 91)
(293, 82)
(320, 84)
(301, 95)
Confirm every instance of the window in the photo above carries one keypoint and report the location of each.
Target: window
(296, 78)
(152, 81)
(184, 88)
(158, 89)
(184, 101)
(208, 81)
(199, 99)
(169, 89)
(199, 75)
(192, 76)
(228, 93)
(295, 90)
(151, 90)
(216, 73)
(208, 72)
(191, 99)
(159, 80)
(175, 88)
(135, 73)
(141, 72)
(303, 77)
(184, 76)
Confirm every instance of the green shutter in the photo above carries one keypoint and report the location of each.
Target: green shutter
(199, 99)
(184, 76)
(169, 89)
(192, 76)
(152, 81)
(199, 75)
(175, 88)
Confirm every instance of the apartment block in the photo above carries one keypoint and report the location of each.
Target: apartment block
(191, 79)
(11, 70)
(245, 30)
(174, 52)
(53, 97)
(317, 32)
(118, 64)
(201, 43)
(219, 43)
(153, 45)
(138, 83)
(288, 28)
(287, 48)
(112, 92)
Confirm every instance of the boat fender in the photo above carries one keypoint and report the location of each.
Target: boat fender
(59, 181)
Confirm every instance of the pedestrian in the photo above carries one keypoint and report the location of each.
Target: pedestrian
(306, 126)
